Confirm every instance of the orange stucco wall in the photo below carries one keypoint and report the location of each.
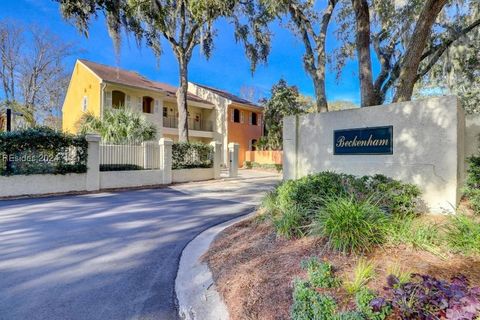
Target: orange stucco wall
(244, 133)
(264, 157)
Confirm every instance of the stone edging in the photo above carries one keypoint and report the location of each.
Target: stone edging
(195, 291)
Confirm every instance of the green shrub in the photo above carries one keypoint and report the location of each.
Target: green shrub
(351, 225)
(299, 200)
(370, 306)
(308, 304)
(397, 197)
(187, 155)
(463, 234)
(364, 272)
(320, 274)
(119, 167)
(268, 166)
(247, 164)
(42, 151)
(472, 189)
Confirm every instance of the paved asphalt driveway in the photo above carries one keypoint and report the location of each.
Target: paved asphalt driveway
(109, 255)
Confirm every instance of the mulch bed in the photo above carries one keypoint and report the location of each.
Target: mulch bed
(253, 269)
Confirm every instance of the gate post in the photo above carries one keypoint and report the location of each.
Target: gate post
(217, 158)
(233, 156)
(166, 160)
(93, 163)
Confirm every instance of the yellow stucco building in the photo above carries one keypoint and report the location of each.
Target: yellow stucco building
(96, 87)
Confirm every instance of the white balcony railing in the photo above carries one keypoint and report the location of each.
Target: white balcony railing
(193, 124)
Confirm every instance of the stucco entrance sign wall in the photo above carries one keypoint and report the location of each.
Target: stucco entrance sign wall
(420, 142)
(378, 140)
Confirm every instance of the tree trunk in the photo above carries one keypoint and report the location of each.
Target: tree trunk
(182, 102)
(416, 47)
(362, 17)
(321, 97)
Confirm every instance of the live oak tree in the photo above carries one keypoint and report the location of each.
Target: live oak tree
(184, 24)
(457, 70)
(311, 26)
(408, 40)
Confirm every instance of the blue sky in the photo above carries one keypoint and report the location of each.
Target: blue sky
(227, 68)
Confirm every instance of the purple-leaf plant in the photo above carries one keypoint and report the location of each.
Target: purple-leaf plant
(427, 298)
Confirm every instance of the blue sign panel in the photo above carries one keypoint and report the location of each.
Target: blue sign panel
(377, 140)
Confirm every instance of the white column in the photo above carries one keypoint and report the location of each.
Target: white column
(166, 160)
(217, 158)
(93, 163)
(233, 156)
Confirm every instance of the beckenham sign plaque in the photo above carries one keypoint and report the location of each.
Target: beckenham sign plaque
(375, 140)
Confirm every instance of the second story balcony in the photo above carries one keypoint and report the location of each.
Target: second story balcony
(193, 124)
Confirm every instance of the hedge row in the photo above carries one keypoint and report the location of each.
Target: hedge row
(187, 155)
(42, 150)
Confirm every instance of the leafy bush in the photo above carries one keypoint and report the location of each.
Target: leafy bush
(187, 155)
(371, 306)
(426, 297)
(364, 272)
(119, 167)
(42, 151)
(308, 304)
(463, 234)
(351, 225)
(472, 189)
(392, 195)
(320, 274)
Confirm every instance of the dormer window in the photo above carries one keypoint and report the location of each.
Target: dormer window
(147, 105)
(118, 99)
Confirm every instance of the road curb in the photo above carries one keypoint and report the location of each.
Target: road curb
(196, 293)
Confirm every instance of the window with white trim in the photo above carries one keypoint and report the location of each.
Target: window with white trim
(254, 119)
(85, 104)
(236, 115)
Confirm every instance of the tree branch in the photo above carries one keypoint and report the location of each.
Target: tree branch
(437, 52)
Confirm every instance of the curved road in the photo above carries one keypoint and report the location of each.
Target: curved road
(109, 255)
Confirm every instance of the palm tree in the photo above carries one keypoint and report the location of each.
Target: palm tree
(119, 126)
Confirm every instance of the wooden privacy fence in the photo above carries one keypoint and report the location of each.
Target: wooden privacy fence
(264, 157)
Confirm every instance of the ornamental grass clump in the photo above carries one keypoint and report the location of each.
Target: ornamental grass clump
(351, 225)
(362, 274)
(472, 188)
(463, 234)
(294, 205)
